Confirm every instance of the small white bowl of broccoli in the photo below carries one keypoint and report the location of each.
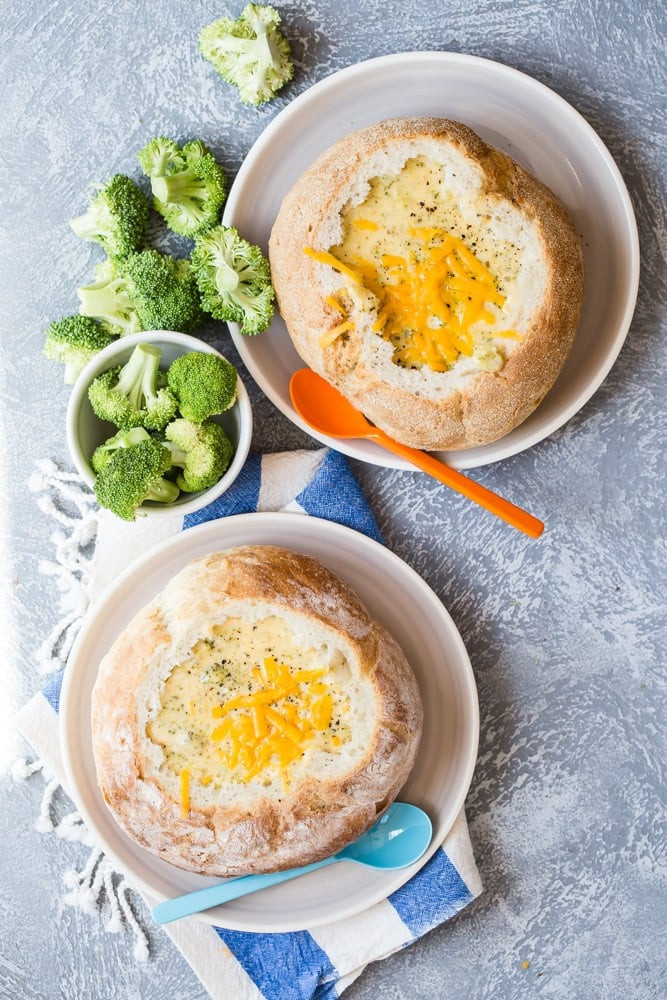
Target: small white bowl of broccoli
(158, 424)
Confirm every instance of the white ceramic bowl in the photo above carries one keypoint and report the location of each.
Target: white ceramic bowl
(85, 431)
(508, 109)
(395, 596)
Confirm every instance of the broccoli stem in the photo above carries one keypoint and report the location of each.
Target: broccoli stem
(267, 56)
(137, 377)
(107, 302)
(72, 369)
(163, 491)
(89, 226)
(178, 187)
(254, 50)
(247, 302)
(161, 161)
(178, 455)
(226, 278)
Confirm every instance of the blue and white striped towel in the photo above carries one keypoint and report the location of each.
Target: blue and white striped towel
(302, 965)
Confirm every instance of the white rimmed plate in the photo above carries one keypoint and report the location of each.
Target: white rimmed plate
(513, 112)
(398, 598)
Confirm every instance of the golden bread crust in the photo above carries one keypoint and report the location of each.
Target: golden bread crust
(483, 406)
(316, 816)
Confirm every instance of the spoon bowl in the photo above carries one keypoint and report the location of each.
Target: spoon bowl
(326, 409)
(398, 839)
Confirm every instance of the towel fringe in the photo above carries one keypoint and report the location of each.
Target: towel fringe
(24, 769)
(68, 501)
(72, 827)
(44, 822)
(97, 882)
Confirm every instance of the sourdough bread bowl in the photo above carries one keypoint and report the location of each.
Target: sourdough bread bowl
(430, 278)
(252, 717)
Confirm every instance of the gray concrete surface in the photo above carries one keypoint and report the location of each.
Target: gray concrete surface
(566, 636)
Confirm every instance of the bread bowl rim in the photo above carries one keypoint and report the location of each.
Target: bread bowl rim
(157, 878)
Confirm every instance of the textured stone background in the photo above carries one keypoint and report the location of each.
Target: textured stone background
(565, 635)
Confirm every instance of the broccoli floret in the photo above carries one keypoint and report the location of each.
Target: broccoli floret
(116, 217)
(73, 341)
(134, 475)
(109, 299)
(124, 439)
(234, 279)
(203, 384)
(164, 291)
(188, 184)
(249, 52)
(202, 451)
(160, 156)
(131, 396)
(144, 291)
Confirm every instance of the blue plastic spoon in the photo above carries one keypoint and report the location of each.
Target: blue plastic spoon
(398, 839)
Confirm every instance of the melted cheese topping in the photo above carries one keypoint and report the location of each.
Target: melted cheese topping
(438, 290)
(247, 703)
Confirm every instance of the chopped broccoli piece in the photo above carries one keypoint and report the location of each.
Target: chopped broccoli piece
(108, 299)
(123, 439)
(116, 217)
(202, 451)
(164, 291)
(161, 156)
(249, 53)
(144, 291)
(203, 384)
(73, 341)
(134, 475)
(188, 184)
(131, 396)
(234, 279)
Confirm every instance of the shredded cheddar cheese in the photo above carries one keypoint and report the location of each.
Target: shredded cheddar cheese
(321, 711)
(324, 257)
(425, 233)
(335, 304)
(334, 333)
(436, 299)
(366, 224)
(248, 701)
(390, 260)
(185, 791)
(272, 725)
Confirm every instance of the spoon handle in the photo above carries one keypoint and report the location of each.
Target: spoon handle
(223, 892)
(497, 505)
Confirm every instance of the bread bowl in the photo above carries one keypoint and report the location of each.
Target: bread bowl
(252, 717)
(430, 278)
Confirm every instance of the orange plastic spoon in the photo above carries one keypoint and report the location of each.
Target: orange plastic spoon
(327, 411)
